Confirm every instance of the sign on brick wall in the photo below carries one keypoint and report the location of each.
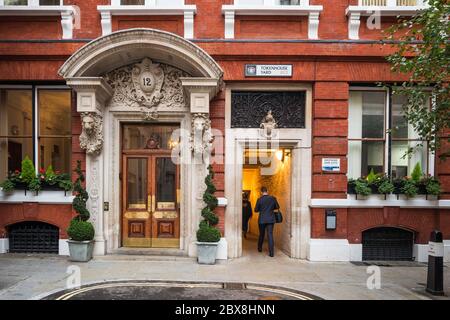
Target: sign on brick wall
(268, 70)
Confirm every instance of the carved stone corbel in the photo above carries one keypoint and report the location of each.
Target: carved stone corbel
(91, 138)
(201, 136)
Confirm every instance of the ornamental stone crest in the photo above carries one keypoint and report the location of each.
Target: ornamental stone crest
(91, 138)
(148, 79)
(268, 126)
(201, 136)
(148, 86)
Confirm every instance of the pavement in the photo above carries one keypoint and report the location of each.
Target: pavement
(26, 276)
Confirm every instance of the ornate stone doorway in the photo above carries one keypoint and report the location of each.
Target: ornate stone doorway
(150, 187)
(136, 76)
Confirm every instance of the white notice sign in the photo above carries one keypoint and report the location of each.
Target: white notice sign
(268, 70)
(331, 164)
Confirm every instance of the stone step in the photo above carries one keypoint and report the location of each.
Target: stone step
(145, 254)
(134, 257)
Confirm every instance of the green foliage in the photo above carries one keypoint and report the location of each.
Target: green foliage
(28, 170)
(416, 174)
(7, 186)
(362, 187)
(80, 230)
(410, 188)
(423, 55)
(207, 232)
(66, 185)
(386, 187)
(372, 177)
(433, 186)
(35, 185)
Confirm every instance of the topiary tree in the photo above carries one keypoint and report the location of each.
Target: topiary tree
(207, 231)
(80, 228)
(28, 171)
(416, 174)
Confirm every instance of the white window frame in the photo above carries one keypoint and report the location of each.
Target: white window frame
(33, 8)
(150, 8)
(35, 110)
(391, 9)
(273, 8)
(31, 3)
(387, 125)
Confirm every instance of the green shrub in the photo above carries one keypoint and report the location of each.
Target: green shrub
(417, 173)
(28, 170)
(372, 177)
(207, 232)
(7, 186)
(80, 230)
(433, 186)
(410, 188)
(50, 177)
(362, 187)
(35, 185)
(386, 187)
(66, 185)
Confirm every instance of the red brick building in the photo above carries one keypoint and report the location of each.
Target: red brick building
(124, 75)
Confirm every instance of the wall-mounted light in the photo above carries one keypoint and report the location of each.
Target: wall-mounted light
(281, 154)
(330, 219)
(172, 144)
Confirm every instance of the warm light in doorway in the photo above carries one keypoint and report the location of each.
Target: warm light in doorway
(280, 155)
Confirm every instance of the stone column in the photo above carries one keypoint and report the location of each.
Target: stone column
(199, 93)
(92, 96)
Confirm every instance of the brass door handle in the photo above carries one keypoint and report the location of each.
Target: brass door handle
(153, 203)
(149, 203)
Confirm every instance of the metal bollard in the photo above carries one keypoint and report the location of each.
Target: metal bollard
(435, 278)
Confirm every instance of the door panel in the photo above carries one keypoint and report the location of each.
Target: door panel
(150, 202)
(165, 214)
(136, 230)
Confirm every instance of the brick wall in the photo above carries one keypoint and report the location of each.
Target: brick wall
(217, 115)
(352, 222)
(329, 137)
(54, 214)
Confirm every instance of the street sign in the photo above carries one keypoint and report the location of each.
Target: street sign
(268, 70)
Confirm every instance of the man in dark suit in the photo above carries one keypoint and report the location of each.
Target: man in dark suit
(265, 206)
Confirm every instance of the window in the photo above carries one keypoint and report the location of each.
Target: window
(38, 128)
(33, 2)
(377, 144)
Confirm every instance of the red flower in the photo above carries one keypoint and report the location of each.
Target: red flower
(41, 170)
(17, 172)
(57, 172)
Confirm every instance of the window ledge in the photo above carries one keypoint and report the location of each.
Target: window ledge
(67, 14)
(230, 11)
(44, 196)
(378, 201)
(355, 13)
(188, 11)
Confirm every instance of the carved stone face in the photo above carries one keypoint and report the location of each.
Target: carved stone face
(88, 124)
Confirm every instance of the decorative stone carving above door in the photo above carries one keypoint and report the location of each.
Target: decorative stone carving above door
(150, 86)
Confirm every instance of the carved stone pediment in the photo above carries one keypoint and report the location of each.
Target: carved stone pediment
(148, 86)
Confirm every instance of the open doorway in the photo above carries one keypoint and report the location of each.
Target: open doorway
(271, 169)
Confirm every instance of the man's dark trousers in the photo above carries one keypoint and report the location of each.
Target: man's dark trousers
(262, 231)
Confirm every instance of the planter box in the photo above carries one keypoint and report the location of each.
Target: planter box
(81, 251)
(44, 196)
(207, 252)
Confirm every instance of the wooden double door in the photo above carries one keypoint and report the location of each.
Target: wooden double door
(151, 217)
